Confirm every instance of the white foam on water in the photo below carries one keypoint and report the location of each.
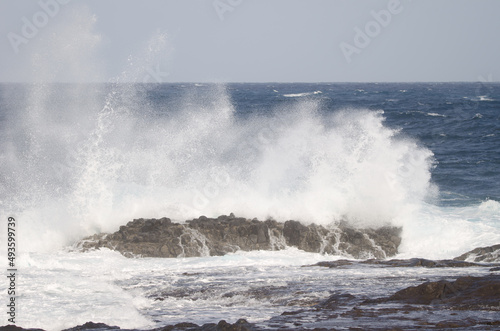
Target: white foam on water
(65, 289)
(447, 232)
(303, 94)
(62, 290)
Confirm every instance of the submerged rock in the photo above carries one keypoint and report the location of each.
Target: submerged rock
(225, 234)
(481, 254)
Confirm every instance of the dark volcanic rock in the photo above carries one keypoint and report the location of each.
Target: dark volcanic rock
(11, 327)
(396, 263)
(464, 292)
(93, 326)
(217, 236)
(240, 325)
(336, 300)
(482, 254)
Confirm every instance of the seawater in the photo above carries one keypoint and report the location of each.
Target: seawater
(84, 158)
(62, 290)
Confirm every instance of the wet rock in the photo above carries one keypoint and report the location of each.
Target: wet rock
(225, 234)
(91, 326)
(405, 263)
(417, 262)
(482, 254)
(463, 303)
(465, 292)
(467, 322)
(180, 326)
(309, 238)
(240, 325)
(11, 327)
(336, 300)
(333, 264)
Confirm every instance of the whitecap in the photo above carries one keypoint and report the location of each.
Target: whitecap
(296, 95)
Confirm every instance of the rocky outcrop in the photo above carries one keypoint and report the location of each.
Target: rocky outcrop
(397, 263)
(91, 326)
(465, 303)
(225, 234)
(465, 292)
(240, 325)
(11, 327)
(482, 254)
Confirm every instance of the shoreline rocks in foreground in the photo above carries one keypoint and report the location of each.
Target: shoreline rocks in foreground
(227, 234)
(463, 302)
(460, 304)
(240, 325)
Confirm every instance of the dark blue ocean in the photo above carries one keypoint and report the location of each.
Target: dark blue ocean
(82, 159)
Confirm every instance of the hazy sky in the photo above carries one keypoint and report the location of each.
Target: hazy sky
(250, 40)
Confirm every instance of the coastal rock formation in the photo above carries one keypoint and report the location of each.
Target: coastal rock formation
(469, 292)
(396, 263)
(482, 254)
(240, 325)
(225, 234)
(463, 303)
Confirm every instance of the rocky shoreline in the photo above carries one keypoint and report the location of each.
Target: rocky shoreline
(429, 305)
(462, 302)
(227, 234)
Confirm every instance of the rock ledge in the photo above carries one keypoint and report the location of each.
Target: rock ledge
(226, 234)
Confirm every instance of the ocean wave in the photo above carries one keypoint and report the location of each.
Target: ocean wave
(485, 98)
(439, 232)
(110, 164)
(435, 114)
(304, 94)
